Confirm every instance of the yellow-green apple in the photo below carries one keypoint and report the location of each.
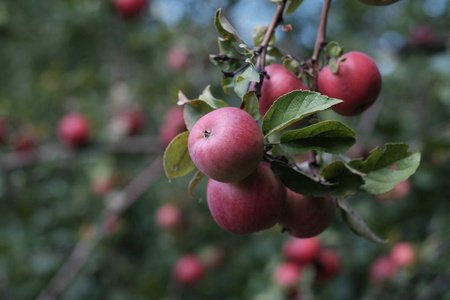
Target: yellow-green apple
(250, 205)
(357, 82)
(226, 144)
(306, 217)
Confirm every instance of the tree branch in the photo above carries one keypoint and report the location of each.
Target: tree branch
(262, 49)
(116, 206)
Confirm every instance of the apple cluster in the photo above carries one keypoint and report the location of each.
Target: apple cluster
(386, 267)
(299, 254)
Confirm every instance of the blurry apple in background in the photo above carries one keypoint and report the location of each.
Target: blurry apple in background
(169, 217)
(382, 269)
(130, 8)
(172, 125)
(112, 224)
(74, 130)
(422, 35)
(403, 254)
(302, 251)
(287, 275)
(189, 270)
(176, 58)
(127, 122)
(328, 265)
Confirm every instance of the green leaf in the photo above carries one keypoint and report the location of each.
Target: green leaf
(300, 182)
(290, 64)
(241, 86)
(194, 181)
(356, 223)
(334, 65)
(250, 104)
(259, 33)
(385, 169)
(378, 2)
(292, 5)
(227, 47)
(224, 28)
(250, 73)
(328, 136)
(209, 98)
(227, 84)
(194, 110)
(292, 107)
(177, 161)
(334, 50)
(348, 180)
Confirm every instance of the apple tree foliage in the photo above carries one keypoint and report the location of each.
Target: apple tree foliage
(332, 173)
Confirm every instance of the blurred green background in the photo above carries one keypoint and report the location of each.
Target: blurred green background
(58, 56)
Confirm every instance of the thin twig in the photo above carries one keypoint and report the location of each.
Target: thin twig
(80, 254)
(261, 60)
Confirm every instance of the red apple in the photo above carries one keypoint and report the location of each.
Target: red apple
(403, 254)
(73, 130)
(130, 8)
(287, 275)
(302, 251)
(328, 265)
(281, 81)
(306, 217)
(249, 205)
(226, 144)
(172, 125)
(176, 58)
(382, 269)
(357, 82)
(189, 270)
(422, 35)
(168, 216)
(101, 186)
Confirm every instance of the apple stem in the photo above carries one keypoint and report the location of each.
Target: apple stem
(262, 48)
(207, 133)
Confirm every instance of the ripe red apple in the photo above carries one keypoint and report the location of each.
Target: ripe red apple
(73, 130)
(328, 265)
(400, 191)
(130, 8)
(226, 144)
(281, 81)
(422, 35)
(168, 216)
(403, 254)
(357, 82)
(250, 205)
(302, 251)
(176, 58)
(189, 270)
(172, 125)
(382, 269)
(287, 275)
(306, 217)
